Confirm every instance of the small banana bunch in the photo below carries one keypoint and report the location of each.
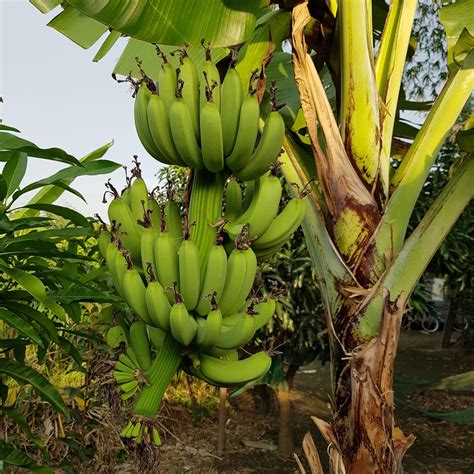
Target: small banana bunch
(259, 208)
(188, 118)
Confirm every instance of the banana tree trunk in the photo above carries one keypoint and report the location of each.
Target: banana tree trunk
(358, 219)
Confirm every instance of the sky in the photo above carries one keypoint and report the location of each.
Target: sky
(57, 97)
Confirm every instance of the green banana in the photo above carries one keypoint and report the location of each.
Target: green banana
(209, 329)
(241, 269)
(127, 386)
(263, 312)
(248, 196)
(246, 135)
(214, 278)
(158, 123)
(158, 305)
(121, 367)
(115, 336)
(234, 372)
(232, 337)
(134, 291)
(126, 430)
(103, 241)
(155, 213)
(173, 220)
(125, 359)
(129, 394)
(141, 122)
(139, 343)
(262, 210)
(189, 272)
(166, 82)
(123, 377)
(225, 354)
(231, 101)
(110, 260)
(166, 260)
(156, 336)
(233, 200)
(283, 226)
(209, 76)
(182, 131)
(138, 198)
(147, 246)
(156, 437)
(187, 72)
(182, 324)
(211, 135)
(267, 151)
(130, 353)
(119, 212)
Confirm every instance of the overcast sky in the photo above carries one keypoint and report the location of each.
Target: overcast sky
(56, 96)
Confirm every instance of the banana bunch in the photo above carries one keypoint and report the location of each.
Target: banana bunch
(189, 118)
(142, 431)
(268, 226)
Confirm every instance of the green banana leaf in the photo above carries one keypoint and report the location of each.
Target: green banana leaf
(456, 17)
(156, 21)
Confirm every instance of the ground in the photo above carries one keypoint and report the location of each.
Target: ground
(251, 434)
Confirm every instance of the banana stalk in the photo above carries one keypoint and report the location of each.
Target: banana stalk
(205, 208)
(159, 377)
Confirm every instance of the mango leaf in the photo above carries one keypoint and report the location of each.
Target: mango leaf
(37, 316)
(15, 321)
(51, 193)
(35, 287)
(7, 225)
(14, 170)
(3, 188)
(24, 374)
(10, 454)
(75, 217)
(11, 343)
(50, 235)
(21, 422)
(7, 127)
(87, 169)
(221, 22)
(10, 143)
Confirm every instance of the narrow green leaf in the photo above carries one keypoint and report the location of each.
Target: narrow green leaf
(75, 217)
(87, 169)
(11, 343)
(51, 235)
(24, 374)
(10, 454)
(107, 45)
(10, 142)
(35, 287)
(80, 28)
(3, 188)
(20, 421)
(14, 170)
(51, 193)
(15, 321)
(8, 128)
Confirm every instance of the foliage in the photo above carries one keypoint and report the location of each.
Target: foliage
(47, 267)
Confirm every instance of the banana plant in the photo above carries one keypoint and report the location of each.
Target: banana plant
(346, 132)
